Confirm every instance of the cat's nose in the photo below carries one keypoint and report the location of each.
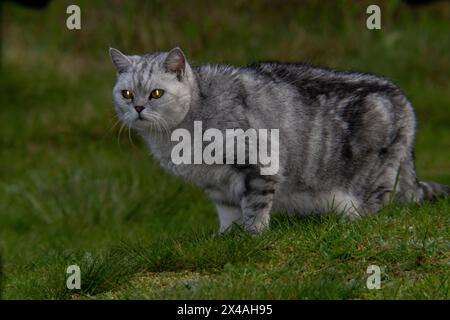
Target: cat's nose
(139, 108)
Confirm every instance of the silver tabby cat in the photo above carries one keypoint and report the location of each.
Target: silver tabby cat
(346, 139)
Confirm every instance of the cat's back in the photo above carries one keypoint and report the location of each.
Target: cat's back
(314, 80)
(297, 91)
(306, 79)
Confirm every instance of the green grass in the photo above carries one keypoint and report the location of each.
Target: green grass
(73, 192)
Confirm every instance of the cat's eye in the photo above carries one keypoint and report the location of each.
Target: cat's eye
(127, 94)
(156, 94)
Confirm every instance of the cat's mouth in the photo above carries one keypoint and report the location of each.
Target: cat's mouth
(145, 122)
(140, 118)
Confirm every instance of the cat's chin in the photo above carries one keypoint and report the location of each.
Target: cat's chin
(144, 125)
(141, 124)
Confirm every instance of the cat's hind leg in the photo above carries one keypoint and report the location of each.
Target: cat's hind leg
(342, 203)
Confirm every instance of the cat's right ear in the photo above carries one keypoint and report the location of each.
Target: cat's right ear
(121, 61)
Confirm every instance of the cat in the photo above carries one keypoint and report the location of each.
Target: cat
(346, 139)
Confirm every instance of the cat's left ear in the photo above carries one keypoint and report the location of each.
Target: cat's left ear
(176, 62)
(120, 60)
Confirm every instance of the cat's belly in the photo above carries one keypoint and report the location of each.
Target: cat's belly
(320, 202)
(224, 184)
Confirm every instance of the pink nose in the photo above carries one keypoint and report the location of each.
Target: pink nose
(139, 108)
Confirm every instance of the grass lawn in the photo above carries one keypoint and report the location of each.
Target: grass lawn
(75, 191)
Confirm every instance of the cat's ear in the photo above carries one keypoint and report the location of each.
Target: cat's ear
(175, 62)
(120, 60)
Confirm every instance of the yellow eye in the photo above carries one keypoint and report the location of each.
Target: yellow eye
(156, 94)
(127, 94)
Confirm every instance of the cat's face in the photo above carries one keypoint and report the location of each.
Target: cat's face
(152, 92)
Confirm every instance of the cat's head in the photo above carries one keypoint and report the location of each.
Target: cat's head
(153, 91)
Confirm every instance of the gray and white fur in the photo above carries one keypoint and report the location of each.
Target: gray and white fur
(346, 139)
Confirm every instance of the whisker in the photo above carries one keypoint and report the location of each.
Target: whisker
(151, 128)
(155, 122)
(112, 128)
(129, 135)
(161, 122)
(166, 126)
(114, 125)
(120, 132)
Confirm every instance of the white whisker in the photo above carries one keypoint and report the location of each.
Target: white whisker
(129, 134)
(115, 124)
(162, 123)
(120, 132)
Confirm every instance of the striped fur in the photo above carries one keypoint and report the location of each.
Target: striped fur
(346, 138)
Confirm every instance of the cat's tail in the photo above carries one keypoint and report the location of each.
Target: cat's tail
(433, 190)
